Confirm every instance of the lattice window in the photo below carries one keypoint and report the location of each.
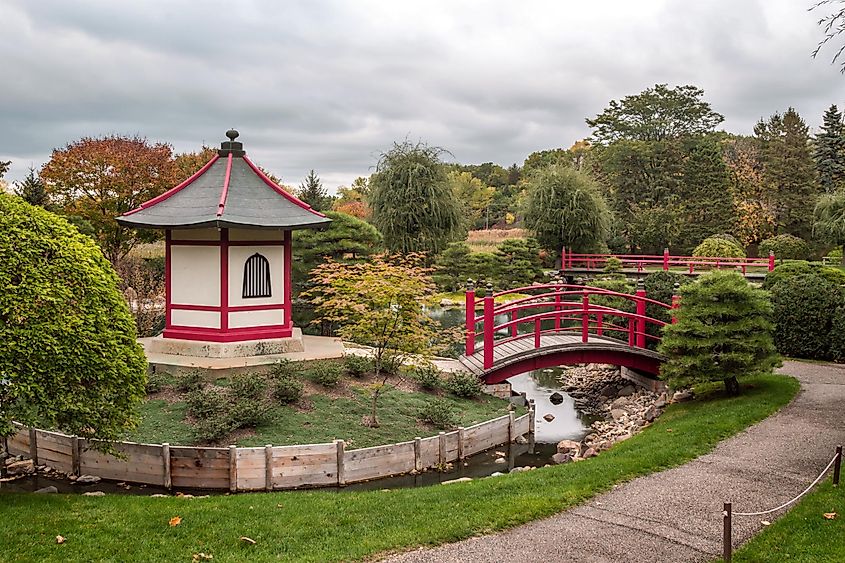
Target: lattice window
(257, 277)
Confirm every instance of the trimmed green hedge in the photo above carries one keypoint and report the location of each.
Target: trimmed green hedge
(785, 247)
(804, 310)
(718, 247)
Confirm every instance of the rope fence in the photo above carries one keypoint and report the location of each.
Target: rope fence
(727, 513)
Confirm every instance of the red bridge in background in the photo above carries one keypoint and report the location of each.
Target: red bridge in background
(644, 262)
(566, 324)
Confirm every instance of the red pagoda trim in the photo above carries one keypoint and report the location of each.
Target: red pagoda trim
(177, 189)
(167, 278)
(288, 274)
(225, 191)
(279, 190)
(233, 309)
(233, 335)
(224, 275)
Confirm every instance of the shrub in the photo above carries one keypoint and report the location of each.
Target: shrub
(660, 286)
(833, 275)
(357, 366)
(723, 333)
(247, 413)
(613, 265)
(211, 429)
(804, 307)
(427, 376)
(248, 386)
(725, 236)
(156, 382)
(463, 384)
(287, 389)
(326, 374)
(517, 263)
(802, 268)
(67, 339)
(835, 255)
(785, 247)
(837, 336)
(285, 368)
(438, 413)
(207, 403)
(190, 381)
(718, 247)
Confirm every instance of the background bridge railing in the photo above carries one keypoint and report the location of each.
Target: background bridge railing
(666, 262)
(562, 308)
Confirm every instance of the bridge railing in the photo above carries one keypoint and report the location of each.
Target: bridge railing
(643, 262)
(569, 308)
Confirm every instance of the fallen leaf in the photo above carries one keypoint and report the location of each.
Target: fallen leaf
(247, 540)
(202, 557)
(765, 522)
(668, 430)
(280, 506)
(60, 539)
(830, 515)
(176, 520)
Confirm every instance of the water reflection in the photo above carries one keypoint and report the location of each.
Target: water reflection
(568, 423)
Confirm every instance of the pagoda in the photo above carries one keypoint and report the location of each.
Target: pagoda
(227, 257)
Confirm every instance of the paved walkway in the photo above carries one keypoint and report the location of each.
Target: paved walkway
(675, 515)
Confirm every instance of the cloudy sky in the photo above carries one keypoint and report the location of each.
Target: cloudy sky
(330, 84)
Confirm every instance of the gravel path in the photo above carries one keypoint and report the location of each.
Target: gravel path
(675, 515)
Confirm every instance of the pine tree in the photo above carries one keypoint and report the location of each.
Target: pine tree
(32, 189)
(313, 193)
(829, 153)
(707, 206)
(789, 172)
(723, 332)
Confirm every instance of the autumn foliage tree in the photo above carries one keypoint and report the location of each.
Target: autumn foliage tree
(99, 179)
(378, 303)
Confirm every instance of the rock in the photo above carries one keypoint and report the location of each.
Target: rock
(625, 391)
(47, 490)
(548, 417)
(561, 458)
(621, 438)
(681, 396)
(459, 480)
(521, 469)
(651, 413)
(88, 479)
(567, 446)
(20, 467)
(500, 460)
(521, 440)
(496, 474)
(619, 403)
(608, 391)
(556, 398)
(94, 494)
(589, 452)
(447, 303)
(617, 414)
(159, 495)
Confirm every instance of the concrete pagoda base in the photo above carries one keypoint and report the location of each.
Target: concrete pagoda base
(244, 349)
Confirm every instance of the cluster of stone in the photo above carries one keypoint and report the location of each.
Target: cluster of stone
(20, 466)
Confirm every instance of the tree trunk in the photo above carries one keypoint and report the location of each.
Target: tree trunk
(732, 386)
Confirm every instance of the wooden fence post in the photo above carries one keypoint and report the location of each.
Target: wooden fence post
(167, 479)
(33, 446)
(75, 462)
(460, 443)
(511, 426)
(531, 413)
(233, 469)
(268, 467)
(341, 462)
(418, 454)
(837, 466)
(441, 448)
(727, 543)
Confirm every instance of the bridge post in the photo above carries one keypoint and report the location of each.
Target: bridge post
(470, 318)
(488, 327)
(585, 317)
(771, 261)
(557, 307)
(641, 313)
(665, 259)
(676, 301)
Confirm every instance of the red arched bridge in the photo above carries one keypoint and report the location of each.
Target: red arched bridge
(560, 324)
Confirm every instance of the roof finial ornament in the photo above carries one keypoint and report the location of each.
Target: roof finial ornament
(232, 134)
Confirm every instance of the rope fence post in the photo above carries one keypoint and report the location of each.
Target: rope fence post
(727, 543)
(837, 465)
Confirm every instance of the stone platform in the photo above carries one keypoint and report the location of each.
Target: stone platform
(243, 349)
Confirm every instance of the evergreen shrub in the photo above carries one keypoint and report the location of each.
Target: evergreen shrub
(287, 389)
(248, 386)
(438, 413)
(785, 247)
(357, 366)
(463, 384)
(189, 381)
(326, 373)
(804, 308)
(427, 376)
(800, 268)
(718, 247)
(613, 265)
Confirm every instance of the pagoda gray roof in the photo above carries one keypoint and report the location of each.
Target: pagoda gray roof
(228, 192)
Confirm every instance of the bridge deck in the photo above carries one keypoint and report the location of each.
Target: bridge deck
(522, 348)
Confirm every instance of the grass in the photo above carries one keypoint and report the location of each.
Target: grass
(487, 240)
(327, 526)
(326, 418)
(803, 535)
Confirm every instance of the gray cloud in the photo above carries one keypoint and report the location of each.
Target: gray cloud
(330, 84)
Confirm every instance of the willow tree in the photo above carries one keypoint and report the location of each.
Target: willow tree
(413, 203)
(566, 208)
(829, 219)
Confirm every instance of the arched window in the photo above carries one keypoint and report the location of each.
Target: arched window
(257, 277)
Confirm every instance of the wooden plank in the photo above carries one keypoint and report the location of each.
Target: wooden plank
(341, 462)
(429, 451)
(165, 460)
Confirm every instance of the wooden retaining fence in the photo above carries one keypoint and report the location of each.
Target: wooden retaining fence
(263, 468)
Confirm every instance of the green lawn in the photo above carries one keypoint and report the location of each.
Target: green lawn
(803, 535)
(328, 419)
(328, 526)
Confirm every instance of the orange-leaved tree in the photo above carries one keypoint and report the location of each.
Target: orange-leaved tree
(378, 303)
(99, 179)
